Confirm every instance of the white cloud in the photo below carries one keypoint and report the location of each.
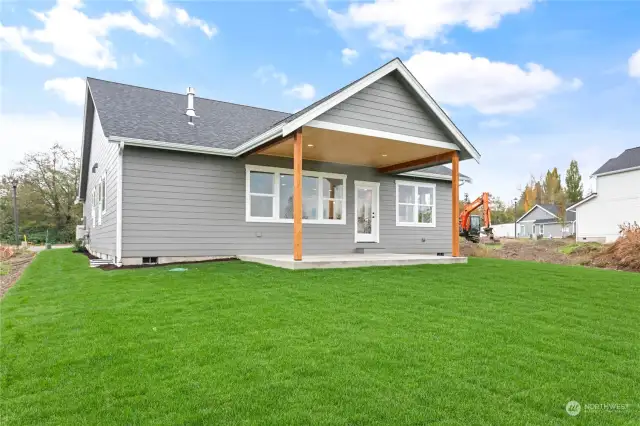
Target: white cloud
(493, 123)
(303, 91)
(73, 35)
(183, 18)
(137, 60)
(159, 9)
(575, 84)
(395, 24)
(11, 38)
(458, 79)
(634, 65)
(156, 8)
(349, 55)
(509, 140)
(269, 72)
(71, 89)
(23, 133)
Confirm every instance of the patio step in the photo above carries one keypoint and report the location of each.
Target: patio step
(371, 249)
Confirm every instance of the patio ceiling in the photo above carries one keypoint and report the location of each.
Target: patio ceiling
(356, 149)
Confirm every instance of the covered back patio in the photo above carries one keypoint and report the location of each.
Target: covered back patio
(324, 142)
(387, 125)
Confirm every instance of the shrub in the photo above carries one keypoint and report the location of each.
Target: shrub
(78, 245)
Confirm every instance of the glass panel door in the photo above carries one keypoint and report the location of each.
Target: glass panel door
(366, 205)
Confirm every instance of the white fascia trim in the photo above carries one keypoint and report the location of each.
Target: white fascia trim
(87, 96)
(339, 97)
(172, 146)
(615, 172)
(444, 118)
(319, 124)
(435, 176)
(579, 203)
(118, 259)
(531, 209)
(258, 140)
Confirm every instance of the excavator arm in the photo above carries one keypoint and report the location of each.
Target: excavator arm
(466, 228)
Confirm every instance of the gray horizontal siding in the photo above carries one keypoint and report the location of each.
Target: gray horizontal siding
(550, 229)
(180, 204)
(102, 237)
(386, 105)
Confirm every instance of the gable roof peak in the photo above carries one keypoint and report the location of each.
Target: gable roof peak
(629, 159)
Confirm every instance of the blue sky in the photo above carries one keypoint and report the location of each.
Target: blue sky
(531, 84)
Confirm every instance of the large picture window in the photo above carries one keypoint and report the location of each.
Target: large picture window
(270, 196)
(415, 204)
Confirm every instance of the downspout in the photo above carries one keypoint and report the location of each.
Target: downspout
(118, 257)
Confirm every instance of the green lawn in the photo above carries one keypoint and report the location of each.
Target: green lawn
(491, 342)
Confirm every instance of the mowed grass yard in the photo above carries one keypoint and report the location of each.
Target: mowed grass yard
(491, 342)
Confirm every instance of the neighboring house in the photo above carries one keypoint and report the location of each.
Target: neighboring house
(616, 201)
(545, 220)
(168, 177)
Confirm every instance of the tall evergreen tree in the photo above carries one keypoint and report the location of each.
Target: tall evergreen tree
(573, 181)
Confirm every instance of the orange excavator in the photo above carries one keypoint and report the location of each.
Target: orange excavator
(470, 224)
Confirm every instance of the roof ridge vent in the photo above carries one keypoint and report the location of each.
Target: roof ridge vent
(191, 112)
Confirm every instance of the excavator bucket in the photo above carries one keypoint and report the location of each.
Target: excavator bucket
(492, 238)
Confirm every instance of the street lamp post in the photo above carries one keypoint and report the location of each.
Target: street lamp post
(14, 183)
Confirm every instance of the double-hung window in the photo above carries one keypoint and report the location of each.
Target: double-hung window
(415, 204)
(270, 196)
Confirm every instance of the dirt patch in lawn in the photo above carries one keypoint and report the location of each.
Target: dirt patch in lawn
(559, 251)
(12, 265)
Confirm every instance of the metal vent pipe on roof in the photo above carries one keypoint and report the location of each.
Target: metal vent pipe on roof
(191, 92)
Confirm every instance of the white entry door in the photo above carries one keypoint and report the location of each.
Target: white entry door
(366, 212)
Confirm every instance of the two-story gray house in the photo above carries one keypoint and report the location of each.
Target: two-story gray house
(170, 177)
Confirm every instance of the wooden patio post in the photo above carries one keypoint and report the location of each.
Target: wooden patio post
(455, 199)
(297, 195)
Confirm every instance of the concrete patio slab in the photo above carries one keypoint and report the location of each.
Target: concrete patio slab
(350, 260)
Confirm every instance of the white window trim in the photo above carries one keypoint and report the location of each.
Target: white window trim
(102, 189)
(416, 185)
(541, 228)
(277, 171)
(93, 207)
(103, 182)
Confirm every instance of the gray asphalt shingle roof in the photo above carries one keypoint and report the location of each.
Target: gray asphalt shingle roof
(570, 216)
(441, 170)
(628, 159)
(140, 113)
